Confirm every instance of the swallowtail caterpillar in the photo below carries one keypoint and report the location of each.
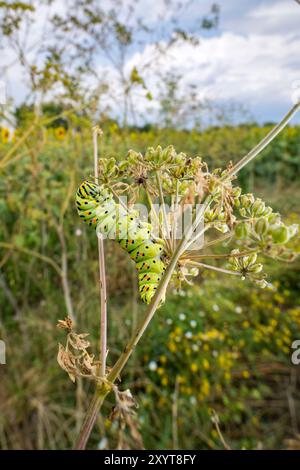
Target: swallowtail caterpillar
(97, 207)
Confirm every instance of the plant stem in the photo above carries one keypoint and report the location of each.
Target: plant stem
(102, 274)
(166, 235)
(90, 419)
(174, 209)
(263, 143)
(213, 268)
(175, 415)
(64, 273)
(153, 211)
(189, 256)
(219, 240)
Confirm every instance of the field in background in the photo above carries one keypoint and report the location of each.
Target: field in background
(221, 344)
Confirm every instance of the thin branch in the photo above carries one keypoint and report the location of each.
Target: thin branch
(263, 143)
(67, 199)
(64, 272)
(216, 241)
(166, 236)
(215, 420)
(174, 218)
(213, 268)
(215, 256)
(89, 420)
(119, 199)
(198, 235)
(153, 211)
(175, 415)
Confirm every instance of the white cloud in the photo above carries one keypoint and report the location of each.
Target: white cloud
(262, 16)
(282, 15)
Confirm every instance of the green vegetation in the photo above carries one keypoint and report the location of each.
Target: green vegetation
(222, 344)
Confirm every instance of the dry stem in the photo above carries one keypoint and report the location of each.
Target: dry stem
(102, 274)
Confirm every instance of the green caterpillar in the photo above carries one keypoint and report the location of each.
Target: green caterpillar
(96, 206)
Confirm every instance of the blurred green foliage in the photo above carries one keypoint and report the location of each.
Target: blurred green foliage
(221, 344)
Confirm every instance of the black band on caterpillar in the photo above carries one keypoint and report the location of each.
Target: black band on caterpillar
(96, 206)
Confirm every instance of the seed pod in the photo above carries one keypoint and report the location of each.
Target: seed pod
(268, 211)
(280, 235)
(236, 202)
(221, 216)
(249, 260)
(258, 208)
(273, 218)
(132, 156)
(209, 215)
(149, 155)
(261, 226)
(256, 268)
(236, 192)
(123, 165)
(247, 200)
(293, 230)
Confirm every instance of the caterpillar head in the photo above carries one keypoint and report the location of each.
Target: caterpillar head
(88, 198)
(88, 190)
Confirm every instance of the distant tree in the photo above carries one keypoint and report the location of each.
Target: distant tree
(62, 59)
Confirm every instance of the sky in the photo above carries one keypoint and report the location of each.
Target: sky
(251, 59)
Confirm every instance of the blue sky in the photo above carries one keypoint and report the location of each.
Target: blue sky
(251, 59)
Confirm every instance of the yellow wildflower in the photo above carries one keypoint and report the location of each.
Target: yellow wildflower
(181, 379)
(227, 376)
(172, 347)
(60, 133)
(5, 135)
(164, 381)
(163, 359)
(205, 388)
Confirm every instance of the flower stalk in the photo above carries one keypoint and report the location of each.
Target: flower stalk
(102, 274)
